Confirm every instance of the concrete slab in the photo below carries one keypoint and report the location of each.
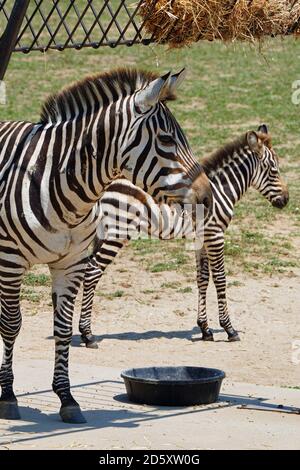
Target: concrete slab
(114, 423)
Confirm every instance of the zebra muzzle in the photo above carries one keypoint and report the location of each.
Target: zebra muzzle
(281, 201)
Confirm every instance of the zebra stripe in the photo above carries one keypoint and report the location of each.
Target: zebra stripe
(52, 174)
(247, 161)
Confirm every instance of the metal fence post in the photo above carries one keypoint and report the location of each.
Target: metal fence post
(9, 37)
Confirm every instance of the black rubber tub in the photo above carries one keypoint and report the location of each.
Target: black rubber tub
(173, 386)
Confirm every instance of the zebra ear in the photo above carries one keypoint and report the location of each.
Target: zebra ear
(252, 139)
(263, 128)
(176, 80)
(150, 95)
(254, 142)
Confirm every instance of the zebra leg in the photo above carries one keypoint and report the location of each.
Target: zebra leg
(65, 285)
(10, 324)
(106, 253)
(92, 275)
(202, 265)
(216, 261)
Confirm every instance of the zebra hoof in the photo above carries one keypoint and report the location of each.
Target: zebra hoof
(9, 410)
(91, 344)
(207, 335)
(207, 338)
(232, 337)
(89, 341)
(72, 414)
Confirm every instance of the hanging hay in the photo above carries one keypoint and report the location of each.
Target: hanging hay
(182, 22)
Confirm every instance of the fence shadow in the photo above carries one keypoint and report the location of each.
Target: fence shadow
(37, 425)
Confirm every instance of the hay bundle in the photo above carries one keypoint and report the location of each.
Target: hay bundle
(181, 22)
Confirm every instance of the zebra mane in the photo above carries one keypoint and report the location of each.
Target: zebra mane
(219, 157)
(104, 88)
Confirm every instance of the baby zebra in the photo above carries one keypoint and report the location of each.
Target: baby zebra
(247, 161)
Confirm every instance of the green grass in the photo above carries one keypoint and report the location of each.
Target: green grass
(257, 253)
(235, 284)
(229, 90)
(30, 295)
(185, 290)
(170, 257)
(160, 267)
(111, 295)
(32, 279)
(149, 291)
(170, 285)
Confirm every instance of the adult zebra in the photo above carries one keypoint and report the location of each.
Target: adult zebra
(51, 175)
(247, 161)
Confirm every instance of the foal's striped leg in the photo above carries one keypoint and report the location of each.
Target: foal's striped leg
(92, 276)
(11, 274)
(97, 265)
(202, 265)
(216, 262)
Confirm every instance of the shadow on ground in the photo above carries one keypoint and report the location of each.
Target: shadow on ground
(120, 413)
(190, 335)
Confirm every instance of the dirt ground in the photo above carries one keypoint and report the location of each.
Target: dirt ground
(152, 325)
(146, 318)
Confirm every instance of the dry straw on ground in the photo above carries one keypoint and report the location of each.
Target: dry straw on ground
(182, 22)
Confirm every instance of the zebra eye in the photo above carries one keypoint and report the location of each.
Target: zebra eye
(166, 139)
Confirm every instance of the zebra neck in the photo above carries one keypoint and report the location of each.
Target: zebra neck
(231, 180)
(80, 177)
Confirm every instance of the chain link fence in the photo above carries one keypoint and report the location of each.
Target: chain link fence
(41, 25)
